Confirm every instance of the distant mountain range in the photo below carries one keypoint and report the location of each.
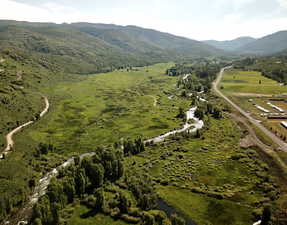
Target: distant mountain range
(268, 45)
(231, 45)
(90, 48)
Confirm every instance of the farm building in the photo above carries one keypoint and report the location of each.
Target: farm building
(262, 109)
(277, 116)
(276, 107)
(284, 124)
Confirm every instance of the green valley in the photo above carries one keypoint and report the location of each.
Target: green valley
(116, 125)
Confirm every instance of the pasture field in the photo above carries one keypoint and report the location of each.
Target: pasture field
(235, 82)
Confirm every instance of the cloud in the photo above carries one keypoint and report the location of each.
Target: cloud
(283, 3)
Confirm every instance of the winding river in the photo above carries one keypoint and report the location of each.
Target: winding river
(197, 124)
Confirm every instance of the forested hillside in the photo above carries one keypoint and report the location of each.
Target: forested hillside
(267, 45)
(89, 48)
(34, 56)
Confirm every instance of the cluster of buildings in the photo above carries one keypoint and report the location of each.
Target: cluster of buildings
(281, 115)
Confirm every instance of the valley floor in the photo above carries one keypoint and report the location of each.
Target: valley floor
(210, 179)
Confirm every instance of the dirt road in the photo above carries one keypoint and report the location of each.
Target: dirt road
(9, 136)
(273, 137)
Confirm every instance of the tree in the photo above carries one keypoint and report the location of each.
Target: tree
(55, 210)
(99, 194)
(217, 114)
(69, 189)
(199, 113)
(266, 216)
(95, 173)
(181, 114)
(77, 160)
(124, 203)
(55, 192)
(80, 182)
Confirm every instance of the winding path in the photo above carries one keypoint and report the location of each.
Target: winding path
(273, 137)
(9, 136)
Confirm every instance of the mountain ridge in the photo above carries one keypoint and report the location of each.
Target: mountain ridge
(269, 44)
(231, 45)
(91, 48)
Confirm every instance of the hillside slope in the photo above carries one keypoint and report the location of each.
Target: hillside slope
(141, 39)
(90, 48)
(34, 56)
(230, 45)
(269, 44)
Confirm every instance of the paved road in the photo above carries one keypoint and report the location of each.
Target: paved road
(9, 136)
(256, 123)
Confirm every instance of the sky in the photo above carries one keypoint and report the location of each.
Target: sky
(195, 19)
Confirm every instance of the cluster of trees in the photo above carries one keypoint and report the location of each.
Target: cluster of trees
(179, 69)
(192, 83)
(200, 76)
(271, 67)
(181, 114)
(86, 176)
(89, 178)
(277, 74)
(44, 149)
(133, 147)
(208, 109)
(244, 63)
(141, 187)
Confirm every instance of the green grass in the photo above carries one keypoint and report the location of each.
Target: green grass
(78, 217)
(186, 167)
(205, 210)
(235, 81)
(106, 107)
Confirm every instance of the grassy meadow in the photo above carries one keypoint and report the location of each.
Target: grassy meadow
(103, 108)
(235, 82)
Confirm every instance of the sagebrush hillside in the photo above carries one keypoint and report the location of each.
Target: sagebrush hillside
(90, 48)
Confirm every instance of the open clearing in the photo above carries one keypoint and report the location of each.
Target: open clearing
(250, 82)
